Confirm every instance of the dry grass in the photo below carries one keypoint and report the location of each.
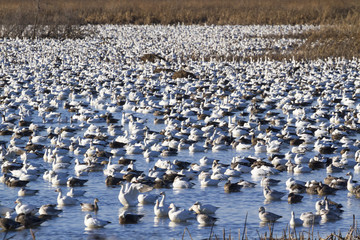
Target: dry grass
(287, 234)
(62, 18)
(242, 12)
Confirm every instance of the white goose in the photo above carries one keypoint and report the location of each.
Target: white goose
(128, 195)
(271, 194)
(65, 200)
(199, 208)
(205, 220)
(179, 215)
(147, 198)
(207, 181)
(294, 222)
(24, 208)
(75, 193)
(351, 186)
(91, 222)
(267, 216)
(160, 211)
(49, 210)
(180, 182)
(309, 218)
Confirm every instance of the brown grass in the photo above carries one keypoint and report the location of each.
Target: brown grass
(242, 12)
(62, 18)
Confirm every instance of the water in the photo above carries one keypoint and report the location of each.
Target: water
(89, 69)
(235, 208)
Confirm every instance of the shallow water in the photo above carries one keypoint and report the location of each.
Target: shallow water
(235, 208)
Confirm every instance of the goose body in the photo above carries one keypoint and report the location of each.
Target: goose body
(64, 200)
(75, 193)
(179, 215)
(207, 181)
(128, 195)
(90, 206)
(205, 219)
(271, 194)
(294, 222)
(266, 181)
(309, 218)
(27, 192)
(268, 216)
(351, 186)
(199, 208)
(49, 210)
(91, 222)
(24, 208)
(129, 218)
(182, 183)
(160, 211)
(147, 198)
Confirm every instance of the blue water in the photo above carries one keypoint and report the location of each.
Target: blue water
(235, 208)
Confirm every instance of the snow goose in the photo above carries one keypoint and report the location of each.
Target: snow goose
(300, 168)
(27, 192)
(205, 219)
(75, 193)
(205, 161)
(329, 215)
(128, 195)
(147, 198)
(196, 148)
(291, 182)
(49, 210)
(181, 182)
(24, 208)
(294, 222)
(160, 211)
(351, 186)
(91, 222)
(260, 147)
(232, 173)
(129, 218)
(267, 181)
(268, 216)
(309, 218)
(271, 194)
(200, 208)
(179, 215)
(81, 167)
(64, 200)
(218, 175)
(246, 184)
(90, 206)
(208, 181)
(57, 179)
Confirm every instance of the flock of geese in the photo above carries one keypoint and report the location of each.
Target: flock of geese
(65, 116)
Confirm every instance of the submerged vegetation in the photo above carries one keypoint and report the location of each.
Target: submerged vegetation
(339, 35)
